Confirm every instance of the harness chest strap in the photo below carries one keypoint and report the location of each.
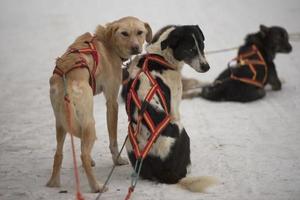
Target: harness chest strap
(244, 61)
(155, 130)
(82, 63)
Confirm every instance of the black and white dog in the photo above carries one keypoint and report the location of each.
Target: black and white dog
(246, 81)
(169, 158)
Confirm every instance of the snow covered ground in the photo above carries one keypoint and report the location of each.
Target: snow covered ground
(253, 149)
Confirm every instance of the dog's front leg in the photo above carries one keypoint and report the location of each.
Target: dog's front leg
(112, 121)
(273, 79)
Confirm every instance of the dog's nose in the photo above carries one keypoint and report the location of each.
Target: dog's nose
(205, 67)
(135, 50)
(289, 48)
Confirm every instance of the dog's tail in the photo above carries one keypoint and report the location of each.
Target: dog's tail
(197, 184)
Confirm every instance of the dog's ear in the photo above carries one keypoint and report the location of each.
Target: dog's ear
(172, 39)
(199, 32)
(149, 32)
(263, 30)
(100, 33)
(164, 44)
(110, 30)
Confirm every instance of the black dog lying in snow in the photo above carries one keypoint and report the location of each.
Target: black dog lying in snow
(168, 159)
(254, 68)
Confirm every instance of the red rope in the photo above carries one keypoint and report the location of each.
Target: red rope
(76, 174)
(130, 190)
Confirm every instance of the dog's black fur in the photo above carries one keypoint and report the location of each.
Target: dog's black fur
(172, 167)
(125, 78)
(269, 41)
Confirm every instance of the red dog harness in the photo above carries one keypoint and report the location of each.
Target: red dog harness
(253, 60)
(82, 63)
(143, 114)
(155, 130)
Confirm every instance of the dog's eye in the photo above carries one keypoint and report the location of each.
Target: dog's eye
(124, 33)
(193, 50)
(140, 32)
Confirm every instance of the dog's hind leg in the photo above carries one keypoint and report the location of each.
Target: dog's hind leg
(87, 143)
(191, 93)
(251, 95)
(192, 87)
(214, 92)
(191, 83)
(60, 138)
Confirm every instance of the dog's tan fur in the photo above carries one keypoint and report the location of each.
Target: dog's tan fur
(113, 46)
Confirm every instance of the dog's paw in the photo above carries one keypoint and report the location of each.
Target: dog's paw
(276, 87)
(93, 164)
(53, 182)
(120, 161)
(282, 80)
(99, 187)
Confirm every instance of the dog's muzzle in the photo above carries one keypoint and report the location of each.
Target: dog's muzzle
(288, 48)
(135, 50)
(204, 67)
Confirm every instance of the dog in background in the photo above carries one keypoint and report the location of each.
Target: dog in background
(254, 68)
(91, 65)
(168, 159)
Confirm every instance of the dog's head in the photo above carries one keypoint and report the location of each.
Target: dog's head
(126, 35)
(187, 45)
(273, 39)
(276, 38)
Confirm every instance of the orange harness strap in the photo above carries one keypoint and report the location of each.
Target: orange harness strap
(143, 114)
(243, 60)
(82, 63)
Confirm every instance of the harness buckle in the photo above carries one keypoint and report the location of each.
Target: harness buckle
(242, 62)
